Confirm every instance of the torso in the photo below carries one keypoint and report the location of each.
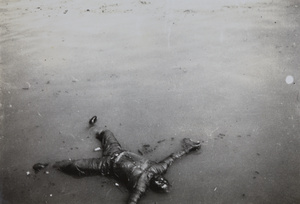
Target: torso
(129, 166)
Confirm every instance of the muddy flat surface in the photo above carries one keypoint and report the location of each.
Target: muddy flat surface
(154, 72)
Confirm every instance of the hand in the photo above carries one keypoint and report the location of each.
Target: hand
(189, 145)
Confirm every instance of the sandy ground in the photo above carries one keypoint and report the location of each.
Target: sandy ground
(217, 71)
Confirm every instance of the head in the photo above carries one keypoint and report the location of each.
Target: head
(160, 184)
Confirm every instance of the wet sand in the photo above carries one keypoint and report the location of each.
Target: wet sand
(153, 72)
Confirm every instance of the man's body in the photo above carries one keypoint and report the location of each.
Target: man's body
(135, 171)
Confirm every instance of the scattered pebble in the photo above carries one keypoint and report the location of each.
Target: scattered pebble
(50, 195)
(215, 188)
(116, 184)
(160, 141)
(28, 173)
(47, 172)
(140, 152)
(221, 135)
(66, 11)
(97, 149)
(74, 79)
(28, 86)
(146, 148)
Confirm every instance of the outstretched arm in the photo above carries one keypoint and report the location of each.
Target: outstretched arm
(188, 146)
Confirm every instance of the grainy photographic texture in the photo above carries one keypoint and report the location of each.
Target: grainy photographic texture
(154, 72)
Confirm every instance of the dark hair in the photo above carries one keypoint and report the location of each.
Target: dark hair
(159, 184)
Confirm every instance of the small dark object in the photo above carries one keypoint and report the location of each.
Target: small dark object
(160, 141)
(140, 152)
(93, 120)
(221, 135)
(39, 166)
(147, 149)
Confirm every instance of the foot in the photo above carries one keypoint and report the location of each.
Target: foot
(189, 145)
(39, 166)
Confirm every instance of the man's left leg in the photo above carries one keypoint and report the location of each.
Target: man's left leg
(110, 144)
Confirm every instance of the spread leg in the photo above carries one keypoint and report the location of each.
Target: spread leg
(110, 144)
(84, 167)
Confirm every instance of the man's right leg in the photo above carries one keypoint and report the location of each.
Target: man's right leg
(110, 144)
(84, 167)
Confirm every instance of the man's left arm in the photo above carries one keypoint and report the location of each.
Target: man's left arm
(140, 188)
(188, 146)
